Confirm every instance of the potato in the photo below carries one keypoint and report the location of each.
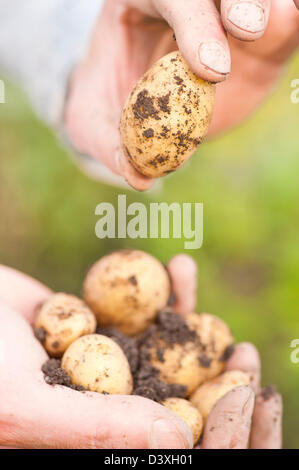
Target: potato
(185, 410)
(126, 289)
(63, 319)
(198, 358)
(98, 364)
(217, 341)
(166, 117)
(207, 395)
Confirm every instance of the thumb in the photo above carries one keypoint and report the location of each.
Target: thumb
(69, 419)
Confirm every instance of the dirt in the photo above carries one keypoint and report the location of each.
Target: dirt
(55, 375)
(148, 133)
(268, 392)
(170, 329)
(227, 353)
(163, 102)
(40, 334)
(144, 107)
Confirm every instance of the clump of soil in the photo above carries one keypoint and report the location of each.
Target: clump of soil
(40, 334)
(147, 384)
(227, 353)
(170, 329)
(54, 374)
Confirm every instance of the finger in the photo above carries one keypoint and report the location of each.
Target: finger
(200, 36)
(100, 421)
(246, 358)
(297, 3)
(245, 19)
(133, 178)
(21, 292)
(228, 425)
(183, 273)
(267, 421)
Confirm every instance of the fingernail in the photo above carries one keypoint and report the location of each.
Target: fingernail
(248, 16)
(215, 56)
(165, 435)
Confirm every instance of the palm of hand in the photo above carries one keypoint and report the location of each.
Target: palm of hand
(36, 414)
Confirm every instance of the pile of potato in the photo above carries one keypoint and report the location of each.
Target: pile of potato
(127, 290)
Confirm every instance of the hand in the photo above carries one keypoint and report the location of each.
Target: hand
(34, 414)
(131, 35)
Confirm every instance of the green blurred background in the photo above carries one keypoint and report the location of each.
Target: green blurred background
(248, 182)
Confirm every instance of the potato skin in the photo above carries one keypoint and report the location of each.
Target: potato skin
(189, 413)
(207, 395)
(166, 117)
(64, 318)
(126, 289)
(217, 339)
(98, 364)
(194, 362)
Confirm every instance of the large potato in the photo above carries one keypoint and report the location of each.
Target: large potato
(189, 413)
(207, 395)
(62, 319)
(126, 289)
(98, 364)
(196, 359)
(166, 117)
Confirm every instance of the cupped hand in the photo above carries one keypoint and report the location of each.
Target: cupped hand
(222, 40)
(34, 414)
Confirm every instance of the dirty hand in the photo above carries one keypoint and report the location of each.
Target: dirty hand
(131, 35)
(34, 414)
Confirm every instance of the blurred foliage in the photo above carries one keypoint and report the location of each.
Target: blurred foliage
(248, 182)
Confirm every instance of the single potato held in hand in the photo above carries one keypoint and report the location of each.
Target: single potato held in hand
(166, 117)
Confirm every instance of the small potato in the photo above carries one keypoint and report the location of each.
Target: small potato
(166, 117)
(127, 289)
(98, 364)
(63, 319)
(185, 410)
(196, 360)
(206, 396)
